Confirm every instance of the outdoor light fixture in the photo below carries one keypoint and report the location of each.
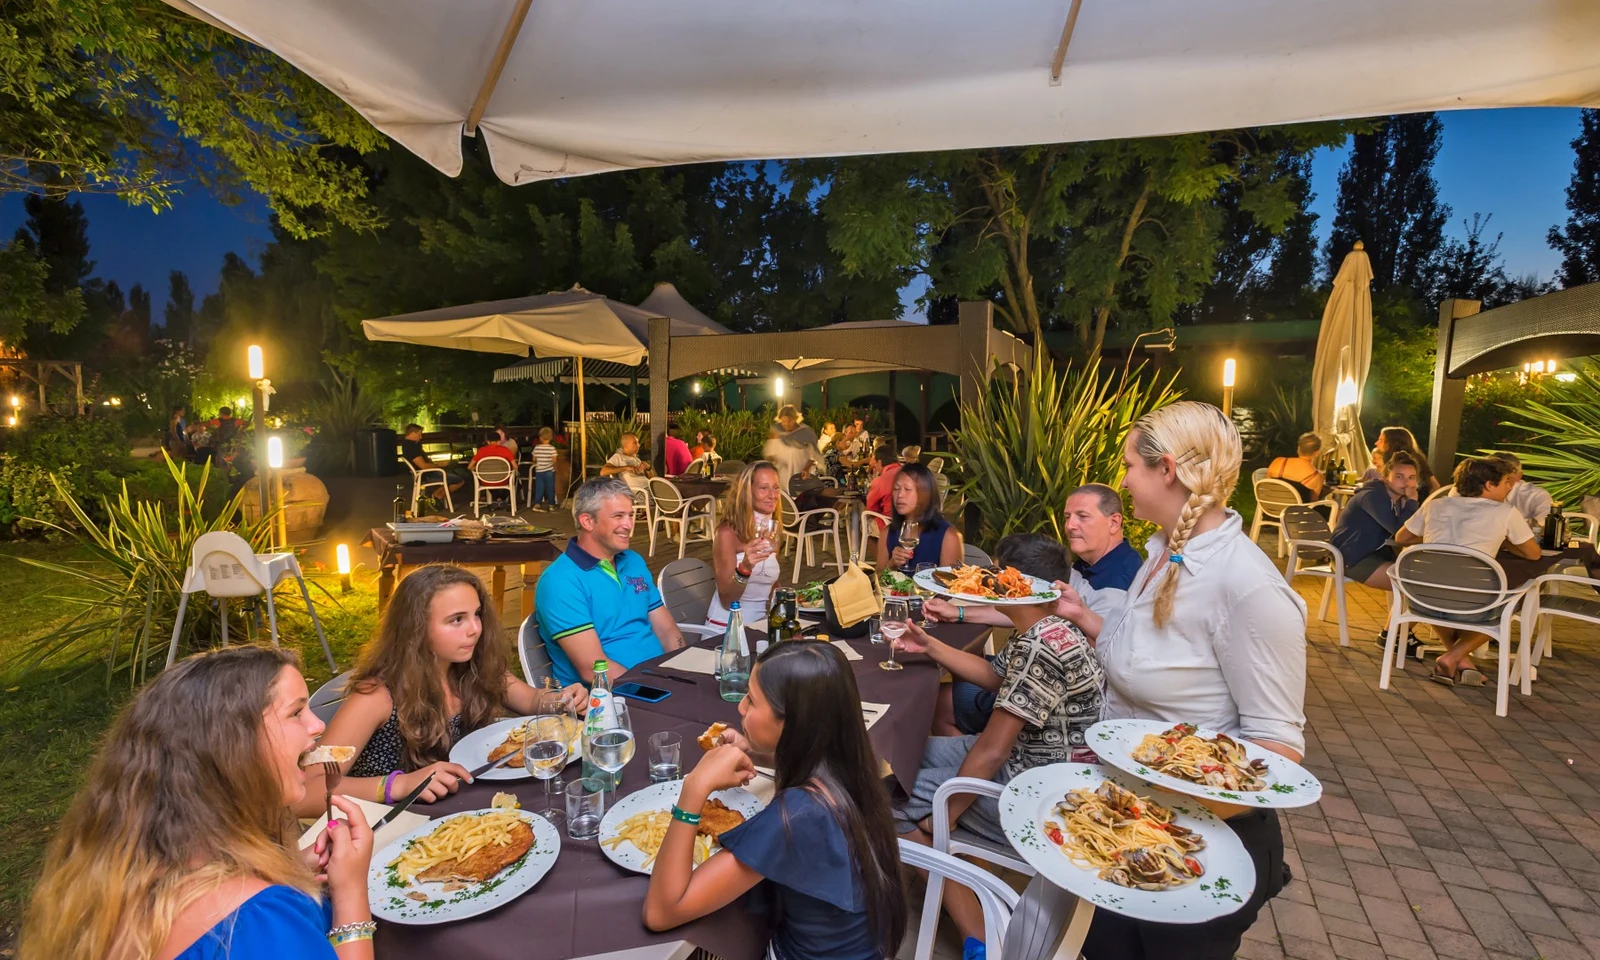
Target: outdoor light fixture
(694, 388)
(342, 555)
(777, 387)
(1346, 395)
(275, 453)
(258, 363)
(1566, 377)
(116, 401)
(240, 402)
(16, 401)
(1229, 368)
(11, 421)
(1549, 366)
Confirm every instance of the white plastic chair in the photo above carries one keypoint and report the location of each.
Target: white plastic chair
(823, 523)
(1444, 490)
(1584, 528)
(670, 507)
(1539, 608)
(996, 899)
(1457, 580)
(325, 702)
(419, 480)
(936, 465)
(976, 556)
(1257, 475)
(1271, 497)
(490, 476)
(223, 565)
(686, 586)
(1308, 533)
(873, 524)
(536, 667)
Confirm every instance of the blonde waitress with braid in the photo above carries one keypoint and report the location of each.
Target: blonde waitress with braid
(1210, 634)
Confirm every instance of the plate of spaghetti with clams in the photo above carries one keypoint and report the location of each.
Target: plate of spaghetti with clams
(1186, 758)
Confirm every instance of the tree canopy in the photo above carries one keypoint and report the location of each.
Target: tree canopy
(1579, 242)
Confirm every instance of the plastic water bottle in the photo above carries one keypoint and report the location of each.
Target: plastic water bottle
(733, 674)
(598, 719)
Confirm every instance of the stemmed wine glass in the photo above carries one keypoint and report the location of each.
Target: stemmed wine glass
(611, 746)
(895, 614)
(545, 747)
(910, 535)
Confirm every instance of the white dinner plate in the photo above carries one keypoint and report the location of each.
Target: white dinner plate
(1228, 881)
(472, 751)
(1043, 592)
(1288, 784)
(387, 895)
(660, 796)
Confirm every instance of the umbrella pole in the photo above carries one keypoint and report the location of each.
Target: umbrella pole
(583, 422)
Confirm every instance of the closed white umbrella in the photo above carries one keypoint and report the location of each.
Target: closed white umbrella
(1344, 354)
(571, 88)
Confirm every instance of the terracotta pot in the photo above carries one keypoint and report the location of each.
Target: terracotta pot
(305, 503)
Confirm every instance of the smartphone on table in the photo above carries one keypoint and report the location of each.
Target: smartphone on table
(640, 691)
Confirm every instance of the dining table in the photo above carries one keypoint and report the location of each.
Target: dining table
(587, 906)
(528, 554)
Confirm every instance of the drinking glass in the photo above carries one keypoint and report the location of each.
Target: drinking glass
(544, 752)
(666, 750)
(896, 612)
(910, 534)
(916, 603)
(586, 804)
(611, 747)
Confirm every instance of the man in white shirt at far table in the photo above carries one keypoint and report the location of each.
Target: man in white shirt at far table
(1532, 501)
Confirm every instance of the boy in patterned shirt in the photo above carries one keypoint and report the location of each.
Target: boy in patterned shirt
(1048, 685)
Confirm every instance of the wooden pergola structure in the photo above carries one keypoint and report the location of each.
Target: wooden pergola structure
(971, 349)
(41, 372)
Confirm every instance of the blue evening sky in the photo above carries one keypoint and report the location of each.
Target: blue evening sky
(1514, 164)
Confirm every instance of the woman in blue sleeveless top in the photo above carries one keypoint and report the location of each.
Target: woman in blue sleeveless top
(916, 502)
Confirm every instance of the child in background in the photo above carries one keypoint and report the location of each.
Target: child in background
(544, 471)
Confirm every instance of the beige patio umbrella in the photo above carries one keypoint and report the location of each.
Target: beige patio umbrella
(1344, 352)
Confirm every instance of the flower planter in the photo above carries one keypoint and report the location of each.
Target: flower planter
(305, 502)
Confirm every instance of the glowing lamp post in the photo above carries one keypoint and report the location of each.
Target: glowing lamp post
(275, 463)
(256, 363)
(1229, 369)
(16, 411)
(777, 387)
(342, 555)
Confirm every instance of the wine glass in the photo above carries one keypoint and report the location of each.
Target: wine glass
(922, 617)
(910, 535)
(895, 614)
(611, 746)
(545, 746)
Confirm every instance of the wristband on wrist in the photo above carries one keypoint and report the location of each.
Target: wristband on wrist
(388, 785)
(961, 614)
(351, 932)
(678, 813)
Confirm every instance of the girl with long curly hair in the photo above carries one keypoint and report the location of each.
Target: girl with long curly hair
(180, 843)
(435, 672)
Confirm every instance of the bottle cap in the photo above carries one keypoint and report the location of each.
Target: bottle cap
(733, 606)
(600, 666)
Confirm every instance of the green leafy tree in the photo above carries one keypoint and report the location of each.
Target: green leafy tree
(1471, 268)
(1579, 242)
(178, 320)
(26, 300)
(1389, 201)
(1065, 234)
(133, 97)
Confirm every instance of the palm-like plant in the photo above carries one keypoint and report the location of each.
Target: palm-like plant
(128, 599)
(1563, 449)
(1024, 446)
(338, 413)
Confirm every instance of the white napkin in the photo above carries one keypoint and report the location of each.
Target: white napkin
(873, 712)
(392, 831)
(847, 650)
(694, 660)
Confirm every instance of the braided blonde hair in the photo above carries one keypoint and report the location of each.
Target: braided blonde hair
(1205, 448)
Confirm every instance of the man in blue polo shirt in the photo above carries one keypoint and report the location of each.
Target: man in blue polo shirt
(598, 600)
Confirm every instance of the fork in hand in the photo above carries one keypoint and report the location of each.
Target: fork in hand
(330, 776)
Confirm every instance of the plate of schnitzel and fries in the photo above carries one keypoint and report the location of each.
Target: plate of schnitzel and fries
(632, 830)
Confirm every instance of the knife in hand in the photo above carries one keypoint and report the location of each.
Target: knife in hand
(492, 764)
(405, 802)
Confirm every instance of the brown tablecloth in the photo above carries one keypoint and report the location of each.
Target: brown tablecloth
(1520, 570)
(586, 904)
(494, 550)
(702, 486)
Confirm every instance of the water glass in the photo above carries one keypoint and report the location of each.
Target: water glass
(586, 804)
(544, 752)
(875, 629)
(666, 751)
(611, 747)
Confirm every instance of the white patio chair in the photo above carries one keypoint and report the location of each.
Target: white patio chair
(804, 528)
(936, 465)
(729, 468)
(873, 524)
(536, 666)
(1539, 608)
(490, 476)
(223, 565)
(686, 586)
(420, 480)
(975, 556)
(1308, 532)
(1584, 528)
(1257, 475)
(994, 897)
(670, 506)
(325, 702)
(1271, 497)
(1442, 577)
(1444, 490)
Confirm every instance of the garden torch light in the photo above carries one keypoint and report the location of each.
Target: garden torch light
(777, 387)
(1229, 369)
(342, 557)
(275, 463)
(256, 361)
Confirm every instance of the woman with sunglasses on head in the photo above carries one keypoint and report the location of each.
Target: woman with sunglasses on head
(1209, 634)
(181, 846)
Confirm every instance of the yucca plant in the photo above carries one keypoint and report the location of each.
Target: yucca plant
(128, 594)
(338, 413)
(1024, 447)
(1563, 449)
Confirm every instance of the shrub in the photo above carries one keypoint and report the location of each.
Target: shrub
(90, 454)
(1562, 449)
(28, 501)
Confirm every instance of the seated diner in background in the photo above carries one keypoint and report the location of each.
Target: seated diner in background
(1530, 500)
(880, 493)
(1300, 471)
(626, 463)
(1477, 516)
(918, 533)
(1047, 684)
(179, 845)
(1372, 518)
(456, 476)
(598, 600)
(1392, 440)
(829, 434)
(435, 672)
(826, 840)
(505, 440)
(744, 551)
(676, 456)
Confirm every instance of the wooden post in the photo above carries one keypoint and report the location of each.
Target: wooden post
(583, 420)
(660, 387)
(77, 377)
(1449, 394)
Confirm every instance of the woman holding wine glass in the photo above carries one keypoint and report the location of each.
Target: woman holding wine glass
(744, 551)
(918, 533)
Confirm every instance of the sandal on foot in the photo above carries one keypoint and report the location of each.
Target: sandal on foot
(1471, 677)
(1440, 676)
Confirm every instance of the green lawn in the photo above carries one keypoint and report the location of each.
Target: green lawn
(52, 719)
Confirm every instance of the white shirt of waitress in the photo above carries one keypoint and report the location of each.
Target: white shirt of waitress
(1233, 655)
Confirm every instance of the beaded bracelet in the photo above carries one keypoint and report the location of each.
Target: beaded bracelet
(388, 783)
(678, 813)
(351, 932)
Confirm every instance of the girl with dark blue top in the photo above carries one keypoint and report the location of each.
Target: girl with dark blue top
(918, 534)
(180, 846)
(823, 853)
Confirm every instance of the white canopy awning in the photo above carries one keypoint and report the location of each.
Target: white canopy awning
(561, 89)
